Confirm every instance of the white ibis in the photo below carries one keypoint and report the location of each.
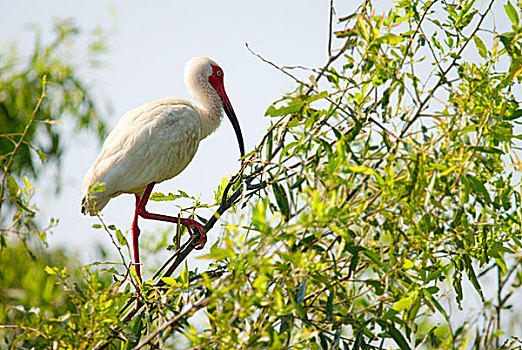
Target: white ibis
(155, 142)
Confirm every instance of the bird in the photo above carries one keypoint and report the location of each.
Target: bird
(155, 142)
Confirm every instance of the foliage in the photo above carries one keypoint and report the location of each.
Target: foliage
(68, 96)
(36, 93)
(69, 311)
(384, 182)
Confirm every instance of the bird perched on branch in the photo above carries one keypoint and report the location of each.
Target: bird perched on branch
(155, 142)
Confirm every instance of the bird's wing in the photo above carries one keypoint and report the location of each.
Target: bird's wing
(153, 142)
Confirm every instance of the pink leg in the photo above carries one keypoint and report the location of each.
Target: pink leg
(141, 211)
(135, 235)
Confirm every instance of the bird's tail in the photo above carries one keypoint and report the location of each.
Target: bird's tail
(92, 204)
(84, 205)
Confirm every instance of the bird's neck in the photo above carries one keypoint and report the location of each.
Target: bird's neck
(210, 116)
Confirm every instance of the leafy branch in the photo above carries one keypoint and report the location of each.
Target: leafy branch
(17, 145)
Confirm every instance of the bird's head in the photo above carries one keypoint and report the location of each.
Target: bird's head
(204, 79)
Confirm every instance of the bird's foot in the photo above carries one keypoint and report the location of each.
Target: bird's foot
(196, 232)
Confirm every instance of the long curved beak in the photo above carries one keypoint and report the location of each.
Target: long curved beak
(227, 106)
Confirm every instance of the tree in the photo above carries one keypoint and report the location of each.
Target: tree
(36, 94)
(384, 182)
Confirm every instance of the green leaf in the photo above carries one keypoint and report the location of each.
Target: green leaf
(281, 199)
(49, 270)
(373, 257)
(171, 282)
(302, 292)
(472, 276)
(516, 114)
(160, 197)
(502, 264)
(41, 155)
(121, 238)
(490, 150)
(478, 187)
(293, 107)
(12, 186)
(285, 323)
(403, 303)
(329, 306)
(448, 170)
(480, 46)
(97, 187)
(427, 293)
(512, 13)
(367, 171)
(359, 340)
(217, 253)
(318, 96)
(390, 39)
(398, 337)
(515, 68)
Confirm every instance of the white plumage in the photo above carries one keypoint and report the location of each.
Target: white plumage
(153, 142)
(156, 141)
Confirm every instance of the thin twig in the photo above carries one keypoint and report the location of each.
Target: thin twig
(441, 80)
(297, 80)
(330, 28)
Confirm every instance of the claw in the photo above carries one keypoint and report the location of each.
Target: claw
(196, 233)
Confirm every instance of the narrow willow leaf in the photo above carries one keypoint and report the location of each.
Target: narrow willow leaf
(516, 114)
(49, 270)
(293, 107)
(285, 323)
(302, 292)
(367, 171)
(41, 155)
(512, 13)
(373, 257)
(403, 303)
(281, 199)
(359, 340)
(490, 150)
(329, 306)
(353, 262)
(398, 337)
(324, 341)
(160, 197)
(448, 170)
(337, 339)
(171, 281)
(390, 39)
(480, 47)
(478, 187)
(515, 69)
(12, 186)
(121, 238)
(435, 303)
(472, 276)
